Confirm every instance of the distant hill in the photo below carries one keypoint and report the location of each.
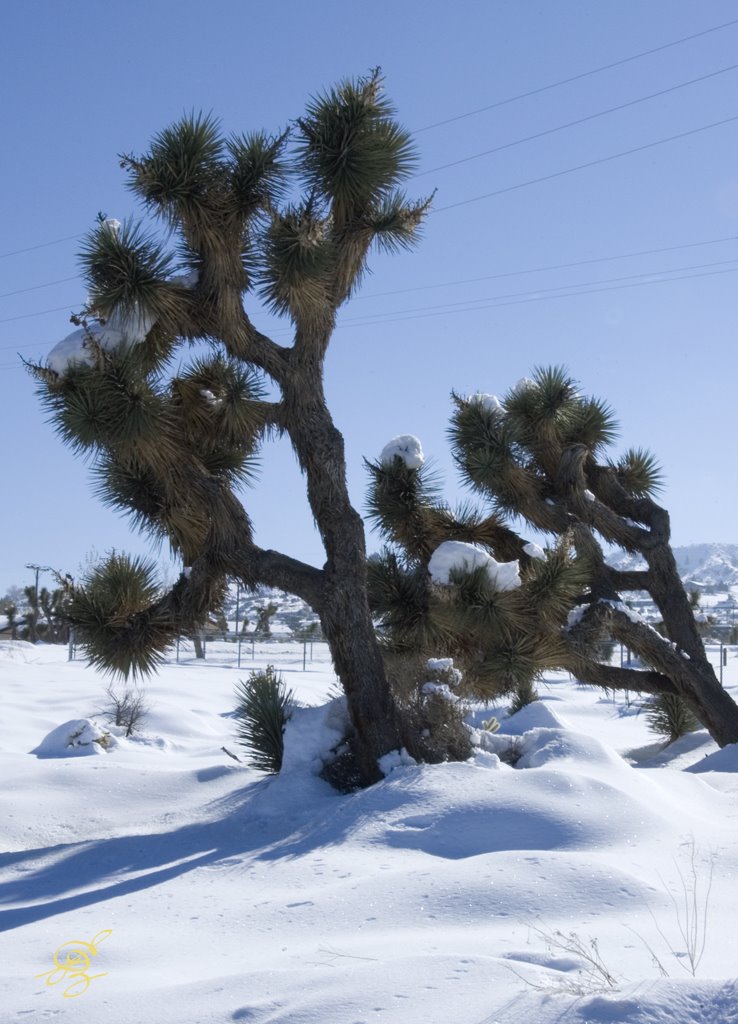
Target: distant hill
(700, 565)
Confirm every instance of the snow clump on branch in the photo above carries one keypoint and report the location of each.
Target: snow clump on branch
(78, 347)
(406, 447)
(490, 403)
(118, 330)
(456, 555)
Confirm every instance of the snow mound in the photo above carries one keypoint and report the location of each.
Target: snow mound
(662, 1002)
(311, 736)
(544, 746)
(17, 650)
(395, 759)
(725, 760)
(406, 447)
(457, 555)
(535, 715)
(457, 811)
(78, 738)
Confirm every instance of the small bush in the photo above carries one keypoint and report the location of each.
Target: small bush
(262, 712)
(126, 709)
(426, 692)
(667, 715)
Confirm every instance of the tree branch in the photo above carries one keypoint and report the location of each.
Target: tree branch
(254, 565)
(629, 580)
(613, 678)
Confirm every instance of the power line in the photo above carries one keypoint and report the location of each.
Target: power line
(510, 273)
(535, 297)
(551, 266)
(41, 312)
(578, 121)
(36, 287)
(510, 299)
(590, 163)
(480, 110)
(41, 245)
(471, 303)
(576, 78)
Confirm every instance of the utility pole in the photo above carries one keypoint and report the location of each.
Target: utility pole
(34, 616)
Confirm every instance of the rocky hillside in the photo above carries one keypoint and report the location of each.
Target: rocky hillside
(700, 565)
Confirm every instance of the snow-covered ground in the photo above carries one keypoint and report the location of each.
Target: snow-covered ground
(474, 893)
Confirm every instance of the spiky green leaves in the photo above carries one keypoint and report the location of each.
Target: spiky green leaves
(212, 190)
(162, 454)
(395, 222)
(299, 264)
(549, 413)
(403, 504)
(638, 473)
(111, 613)
(351, 150)
(263, 707)
(126, 270)
(182, 174)
(109, 404)
(258, 171)
(487, 450)
(668, 715)
(218, 404)
(531, 453)
(503, 637)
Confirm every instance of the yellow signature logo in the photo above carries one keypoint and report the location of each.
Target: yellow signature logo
(72, 962)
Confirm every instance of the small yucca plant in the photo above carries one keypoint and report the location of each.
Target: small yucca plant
(264, 706)
(668, 715)
(525, 693)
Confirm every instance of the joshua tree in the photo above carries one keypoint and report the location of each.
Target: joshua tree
(10, 610)
(540, 454)
(264, 616)
(439, 589)
(172, 450)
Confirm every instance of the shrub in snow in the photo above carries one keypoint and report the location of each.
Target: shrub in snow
(668, 715)
(125, 708)
(263, 708)
(525, 693)
(428, 692)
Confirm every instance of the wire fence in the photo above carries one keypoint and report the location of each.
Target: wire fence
(235, 652)
(239, 651)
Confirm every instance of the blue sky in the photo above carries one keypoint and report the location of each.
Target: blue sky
(653, 334)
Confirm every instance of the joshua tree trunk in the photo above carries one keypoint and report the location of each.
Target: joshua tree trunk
(343, 606)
